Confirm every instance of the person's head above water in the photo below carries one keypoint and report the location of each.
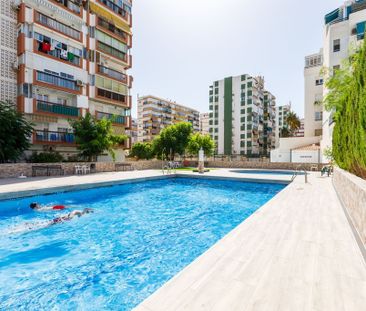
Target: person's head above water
(34, 205)
(87, 211)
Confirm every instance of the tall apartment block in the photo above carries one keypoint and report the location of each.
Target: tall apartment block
(237, 116)
(204, 123)
(313, 94)
(343, 32)
(72, 57)
(156, 113)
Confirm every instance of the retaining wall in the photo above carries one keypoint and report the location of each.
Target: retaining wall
(352, 192)
(17, 169)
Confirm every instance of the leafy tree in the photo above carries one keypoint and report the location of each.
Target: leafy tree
(15, 132)
(198, 141)
(172, 140)
(293, 122)
(95, 136)
(285, 132)
(347, 101)
(142, 151)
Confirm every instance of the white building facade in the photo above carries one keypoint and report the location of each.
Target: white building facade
(204, 123)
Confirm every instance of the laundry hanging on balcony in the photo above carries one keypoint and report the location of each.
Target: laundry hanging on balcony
(70, 56)
(46, 47)
(63, 54)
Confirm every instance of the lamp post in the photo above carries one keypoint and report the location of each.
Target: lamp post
(201, 161)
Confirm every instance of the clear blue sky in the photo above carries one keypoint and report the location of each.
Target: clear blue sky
(181, 46)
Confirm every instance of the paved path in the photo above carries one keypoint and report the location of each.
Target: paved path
(295, 253)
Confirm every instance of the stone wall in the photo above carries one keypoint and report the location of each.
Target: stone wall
(352, 192)
(17, 169)
(258, 165)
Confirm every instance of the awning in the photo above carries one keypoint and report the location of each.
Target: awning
(360, 27)
(110, 16)
(330, 17)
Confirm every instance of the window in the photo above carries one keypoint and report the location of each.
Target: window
(319, 82)
(318, 132)
(336, 45)
(318, 116)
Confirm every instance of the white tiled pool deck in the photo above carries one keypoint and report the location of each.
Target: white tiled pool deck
(297, 252)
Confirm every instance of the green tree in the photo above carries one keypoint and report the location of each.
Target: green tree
(198, 141)
(293, 122)
(95, 137)
(142, 151)
(285, 132)
(347, 102)
(172, 140)
(15, 132)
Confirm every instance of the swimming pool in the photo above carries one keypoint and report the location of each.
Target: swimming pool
(271, 172)
(139, 236)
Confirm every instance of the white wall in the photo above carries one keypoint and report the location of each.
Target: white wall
(283, 152)
(305, 156)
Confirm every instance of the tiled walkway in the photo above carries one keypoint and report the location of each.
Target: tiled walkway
(297, 252)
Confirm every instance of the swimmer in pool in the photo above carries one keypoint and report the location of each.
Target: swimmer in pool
(36, 207)
(70, 216)
(41, 225)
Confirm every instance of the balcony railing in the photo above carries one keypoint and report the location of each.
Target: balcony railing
(112, 96)
(71, 5)
(114, 118)
(73, 59)
(112, 51)
(54, 137)
(57, 81)
(54, 24)
(112, 73)
(112, 28)
(115, 8)
(50, 107)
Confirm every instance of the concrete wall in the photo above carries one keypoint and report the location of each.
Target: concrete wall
(352, 192)
(305, 156)
(255, 165)
(283, 152)
(15, 170)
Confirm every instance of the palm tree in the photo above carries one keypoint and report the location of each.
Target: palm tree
(293, 122)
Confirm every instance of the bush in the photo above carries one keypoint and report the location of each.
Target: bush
(46, 157)
(142, 151)
(347, 100)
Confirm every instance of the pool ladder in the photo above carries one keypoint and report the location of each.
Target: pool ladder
(298, 169)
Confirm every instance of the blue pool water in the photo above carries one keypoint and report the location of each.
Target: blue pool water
(139, 236)
(267, 172)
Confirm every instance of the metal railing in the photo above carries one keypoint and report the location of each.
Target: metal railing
(57, 108)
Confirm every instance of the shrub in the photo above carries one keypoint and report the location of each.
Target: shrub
(46, 157)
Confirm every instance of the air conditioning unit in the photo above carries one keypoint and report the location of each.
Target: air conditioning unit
(79, 83)
(15, 66)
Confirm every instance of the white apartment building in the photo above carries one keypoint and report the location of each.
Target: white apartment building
(242, 116)
(204, 123)
(8, 51)
(313, 83)
(343, 31)
(155, 113)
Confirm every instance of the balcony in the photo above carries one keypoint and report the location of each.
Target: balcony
(116, 9)
(112, 29)
(54, 79)
(53, 108)
(117, 119)
(49, 137)
(73, 6)
(56, 53)
(121, 77)
(113, 52)
(117, 98)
